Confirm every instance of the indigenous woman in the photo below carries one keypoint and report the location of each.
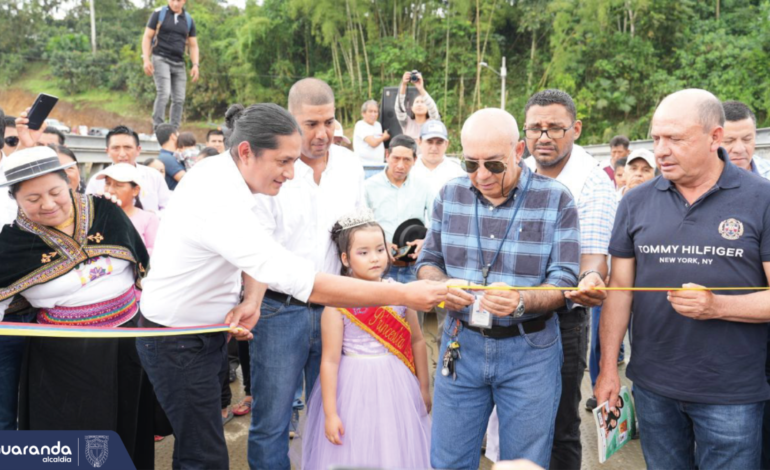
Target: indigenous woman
(79, 260)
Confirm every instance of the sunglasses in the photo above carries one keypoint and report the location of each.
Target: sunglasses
(495, 167)
(12, 141)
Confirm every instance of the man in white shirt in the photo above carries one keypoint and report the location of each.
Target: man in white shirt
(328, 183)
(123, 147)
(433, 166)
(368, 136)
(210, 239)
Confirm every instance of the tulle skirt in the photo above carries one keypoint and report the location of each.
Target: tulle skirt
(385, 420)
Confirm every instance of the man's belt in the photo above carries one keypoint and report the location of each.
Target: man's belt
(501, 332)
(287, 299)
(402, 264)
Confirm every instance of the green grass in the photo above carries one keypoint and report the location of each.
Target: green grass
(37, 79)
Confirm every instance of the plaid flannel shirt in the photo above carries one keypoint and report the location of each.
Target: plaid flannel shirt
(542, 247)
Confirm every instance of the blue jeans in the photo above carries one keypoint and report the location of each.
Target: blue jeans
(682, 435)
(170, 82)
(186, 373)
(766, 437)
(521, 375)
(595, 352)
(287, 342)
(11, 355)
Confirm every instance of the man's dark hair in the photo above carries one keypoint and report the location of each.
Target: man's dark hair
(549, 97)
(164, 132)
(620, 141)
(619, 163)
(208, 152)
(737, 111)
(59, 134)
(2, 129)
(213, 132)
(260, 125)
(64, 150)
(186, 139)
(122, 130)
(403, 140)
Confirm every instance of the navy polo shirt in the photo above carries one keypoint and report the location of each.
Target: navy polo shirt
(173, 166)
(721, 240)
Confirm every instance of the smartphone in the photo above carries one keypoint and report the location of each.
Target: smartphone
(40, 110)
(403, 251)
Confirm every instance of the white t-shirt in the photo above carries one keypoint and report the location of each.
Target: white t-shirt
(366, 152)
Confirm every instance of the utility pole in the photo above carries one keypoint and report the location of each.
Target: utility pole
(503, 73)
(93, 27)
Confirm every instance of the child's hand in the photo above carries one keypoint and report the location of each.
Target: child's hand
(334, 429)
(427, 399)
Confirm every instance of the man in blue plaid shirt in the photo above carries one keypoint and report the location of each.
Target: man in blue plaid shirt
(502, 226)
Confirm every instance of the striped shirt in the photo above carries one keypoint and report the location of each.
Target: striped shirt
(542, 247)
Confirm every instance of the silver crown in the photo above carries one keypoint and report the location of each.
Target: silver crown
(358, 217)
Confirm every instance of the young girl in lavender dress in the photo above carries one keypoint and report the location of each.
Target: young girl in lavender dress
(370, 405)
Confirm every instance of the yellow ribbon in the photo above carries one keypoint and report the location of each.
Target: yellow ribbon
(56, 331)
(630, 289)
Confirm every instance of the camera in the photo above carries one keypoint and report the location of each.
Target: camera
(415, 76)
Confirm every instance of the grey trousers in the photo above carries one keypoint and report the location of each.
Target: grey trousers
(170, 82)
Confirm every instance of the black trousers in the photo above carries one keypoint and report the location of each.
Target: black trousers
(567, 450)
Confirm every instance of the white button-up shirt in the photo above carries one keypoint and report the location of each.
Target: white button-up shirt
(393, 205)
(303, 213)
(446, 171)
(210, 233)
(154, 194)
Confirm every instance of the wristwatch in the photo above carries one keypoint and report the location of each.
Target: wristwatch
(519, 308)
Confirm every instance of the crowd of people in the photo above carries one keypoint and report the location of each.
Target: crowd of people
(324, 277)
(280, 235)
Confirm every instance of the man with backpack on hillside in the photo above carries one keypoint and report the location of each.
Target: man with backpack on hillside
(170, 30)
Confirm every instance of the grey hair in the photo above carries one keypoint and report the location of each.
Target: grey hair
(711, 114)
(366, 104)
(260, 125)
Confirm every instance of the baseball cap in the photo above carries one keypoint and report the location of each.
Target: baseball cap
(123, 172)
(644, 154)
(433, 128)
(338, 132)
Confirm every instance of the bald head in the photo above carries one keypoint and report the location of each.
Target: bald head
(681, 104)
(311, 92)
(491, 124)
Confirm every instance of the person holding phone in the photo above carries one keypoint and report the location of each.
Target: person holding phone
(413, 115)
(169, 31)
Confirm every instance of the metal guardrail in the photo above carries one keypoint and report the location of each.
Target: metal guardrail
(92, 155)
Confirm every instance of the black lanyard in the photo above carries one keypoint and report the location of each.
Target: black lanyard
(485, 269)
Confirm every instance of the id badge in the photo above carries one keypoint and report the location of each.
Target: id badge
(479, 317)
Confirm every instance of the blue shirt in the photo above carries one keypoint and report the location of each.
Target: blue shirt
(393, 205)
(173, 166)
(721, 240)
(542, 247)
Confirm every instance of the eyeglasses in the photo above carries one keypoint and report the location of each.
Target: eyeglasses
(551, 132)
(12, 141)
(495, 167)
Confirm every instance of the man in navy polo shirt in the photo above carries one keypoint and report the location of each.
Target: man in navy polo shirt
(699, 356)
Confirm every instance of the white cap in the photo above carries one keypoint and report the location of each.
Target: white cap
(123, 172)
(338, 132)
(644, 154)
